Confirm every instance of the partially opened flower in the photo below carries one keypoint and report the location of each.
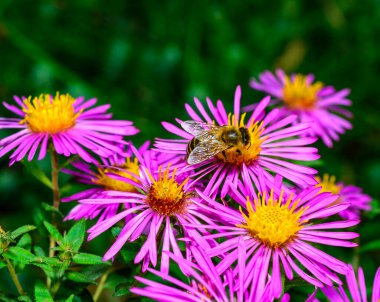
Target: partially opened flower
(266, 144)
(164, 201)
(68, 123)
(277, 229)
(204, 283)
(311, 102)
(102, 180)
(356, 288)
(347, 194)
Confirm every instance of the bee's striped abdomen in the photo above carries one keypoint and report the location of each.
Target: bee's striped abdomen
(244, 135)
(191, 145)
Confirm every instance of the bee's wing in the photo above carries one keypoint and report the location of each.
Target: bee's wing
(205, 150)
(197, 128)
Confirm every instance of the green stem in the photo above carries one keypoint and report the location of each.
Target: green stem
(101, 284)
(14, 277)
(56, 198)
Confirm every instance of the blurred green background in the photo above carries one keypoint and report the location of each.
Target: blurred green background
(147, 58)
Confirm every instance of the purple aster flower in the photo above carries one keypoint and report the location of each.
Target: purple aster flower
(347, 194)
(103, 180)
(356, 288)
(67, 122)
(276, 229)
(204, 282)
(309, 101)
(270, 144)
(164, 201)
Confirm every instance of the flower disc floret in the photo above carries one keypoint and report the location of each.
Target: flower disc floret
(111, 183)
(166, 196)
(47, 114)
(273, 222)
(299, 93)
(241, 153)
(327, 184)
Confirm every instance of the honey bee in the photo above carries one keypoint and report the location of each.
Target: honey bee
(210, 140)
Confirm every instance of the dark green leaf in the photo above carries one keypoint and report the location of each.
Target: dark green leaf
(90, 259)
(49, 208)
(75, 236)
(129, 252)
(53, 231)
(123, 289)
(21, 230)
(25, 242)
(374, 245)
(79, 277)
(39, 218)
(19, 254)
(114, 279)
(2, 264)
(41, 293)
(93, 272)
(36, 171)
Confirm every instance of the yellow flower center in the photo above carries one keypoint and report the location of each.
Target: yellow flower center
(110, 183)
(166, 196)
(298, 94)
(242, 152)
(327, 184)
(46, 114)
(273, 222)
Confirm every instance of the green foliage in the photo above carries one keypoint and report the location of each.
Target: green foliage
(41, 293)
(89, 259)
(147, 59)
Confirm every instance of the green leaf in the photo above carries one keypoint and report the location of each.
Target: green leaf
(24, 299)
(41, 293)
(90, 259)
(36, 171)
(75, 236)
(48, 260)
(49, 208)
(79, 277)
(48, 270)
(39, 251)
(115, 231)
(129, 252)
(22, 230)
(371, 246)
(25, 242)
(94, 272)
(2, 264)
(53, 231)
(123, 289)
(70, 299)
(39, 218)
(19, 254)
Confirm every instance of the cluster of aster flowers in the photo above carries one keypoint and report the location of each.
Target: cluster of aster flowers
(232, 200)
